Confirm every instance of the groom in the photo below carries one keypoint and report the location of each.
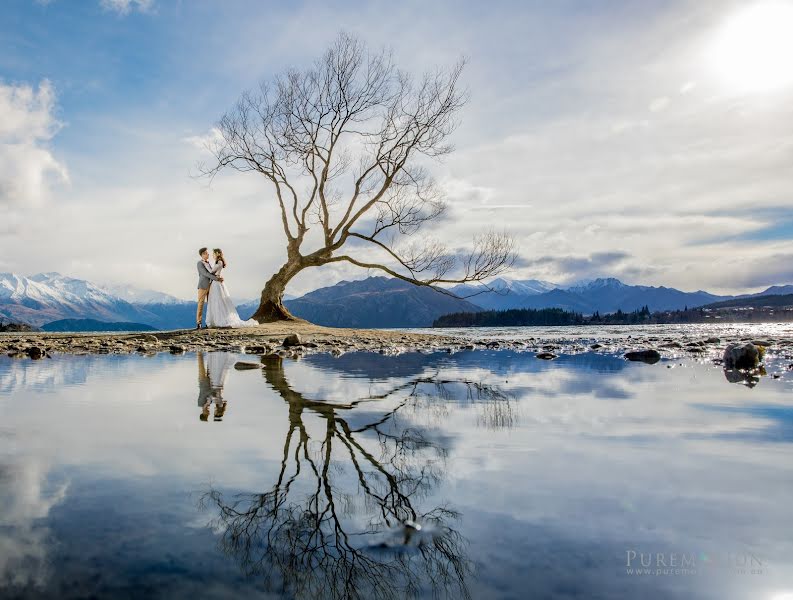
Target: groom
(205, 279)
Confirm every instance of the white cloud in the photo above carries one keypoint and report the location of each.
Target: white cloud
(124, 7)
(557, 144)
(659, 104)
(27, 125)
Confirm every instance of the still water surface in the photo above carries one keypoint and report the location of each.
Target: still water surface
(485, 474)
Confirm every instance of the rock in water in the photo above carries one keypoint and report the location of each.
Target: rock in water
(292, 340)
(746, 356)
(646, 356)
(246, 366)
(546, 355)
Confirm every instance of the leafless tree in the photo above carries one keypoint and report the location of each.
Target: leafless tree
(345, 145)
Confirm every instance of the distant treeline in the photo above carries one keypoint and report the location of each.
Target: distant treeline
(523, 317)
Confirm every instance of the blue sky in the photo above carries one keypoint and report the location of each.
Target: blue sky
(599, 133)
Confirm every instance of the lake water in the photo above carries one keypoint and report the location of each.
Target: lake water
(482, 474)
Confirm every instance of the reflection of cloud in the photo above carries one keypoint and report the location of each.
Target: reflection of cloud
(778, 420)
(25, 502)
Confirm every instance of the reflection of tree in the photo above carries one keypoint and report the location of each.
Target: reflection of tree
(370, 542)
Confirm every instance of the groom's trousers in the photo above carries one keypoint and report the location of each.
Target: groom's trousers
(202, 298)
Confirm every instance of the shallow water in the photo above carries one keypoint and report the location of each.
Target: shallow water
(490, 474)
(620, 332)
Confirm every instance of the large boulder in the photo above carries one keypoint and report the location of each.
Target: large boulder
(35, 352)
(291, 340)
(646, 356)
(743, 356)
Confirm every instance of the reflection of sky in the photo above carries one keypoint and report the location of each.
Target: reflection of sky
(25, 536)
(597, 456)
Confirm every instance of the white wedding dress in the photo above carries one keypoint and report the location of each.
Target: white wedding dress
(221, 311)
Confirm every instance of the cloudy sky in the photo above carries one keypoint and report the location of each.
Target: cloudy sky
(650, 141)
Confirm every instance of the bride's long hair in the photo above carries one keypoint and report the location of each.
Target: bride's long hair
(219, 256)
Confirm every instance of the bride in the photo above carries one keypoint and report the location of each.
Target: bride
(220, 309)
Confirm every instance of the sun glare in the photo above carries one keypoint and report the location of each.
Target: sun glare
(753, 50)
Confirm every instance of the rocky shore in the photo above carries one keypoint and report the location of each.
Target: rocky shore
(301, 338)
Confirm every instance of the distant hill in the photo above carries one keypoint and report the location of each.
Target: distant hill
(600, 295)
(16, 327)
(513, 317)
(93, 325)
(610, 295)
(769, 301)
(376, 302)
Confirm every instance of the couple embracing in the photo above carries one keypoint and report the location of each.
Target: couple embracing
(213, 292)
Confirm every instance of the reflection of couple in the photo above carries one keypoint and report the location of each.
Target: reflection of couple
(212, 374)
(212, 290)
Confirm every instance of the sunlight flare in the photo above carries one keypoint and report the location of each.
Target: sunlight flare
(751, 51)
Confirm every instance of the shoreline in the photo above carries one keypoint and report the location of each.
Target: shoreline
(271, 338)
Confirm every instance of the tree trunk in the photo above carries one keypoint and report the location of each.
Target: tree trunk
(271, 306)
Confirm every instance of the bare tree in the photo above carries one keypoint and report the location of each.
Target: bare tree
(344, 144)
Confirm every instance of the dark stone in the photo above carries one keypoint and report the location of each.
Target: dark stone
(35, 352)
(596, 346)
(546, 355)
(646, 356)
(246, 366)
(177, 349)
(292, 340)
(746, 356)
(672, 345)
(712, 340)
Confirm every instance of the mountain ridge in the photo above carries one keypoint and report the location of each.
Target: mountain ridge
(371, 302)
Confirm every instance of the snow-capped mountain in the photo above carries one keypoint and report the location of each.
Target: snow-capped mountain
(588, 296)
(610, 294)
(47, 297)
(525, 287)
(592, 285)
(508, 293)
(136, 295)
